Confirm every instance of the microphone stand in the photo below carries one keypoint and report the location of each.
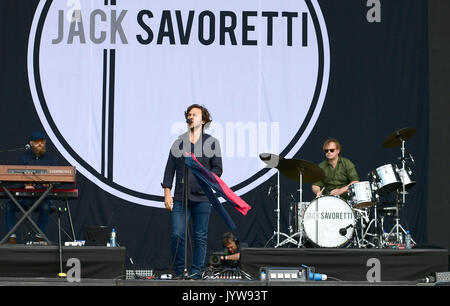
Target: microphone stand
(61, 274)
(186, 219)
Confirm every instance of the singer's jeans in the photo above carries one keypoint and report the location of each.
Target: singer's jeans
(199, 211)
(43, 209)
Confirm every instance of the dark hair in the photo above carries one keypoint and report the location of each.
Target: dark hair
(228, 237)
(205, 113)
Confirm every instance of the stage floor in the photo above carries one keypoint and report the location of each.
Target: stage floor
(101, 266)
(38, 281)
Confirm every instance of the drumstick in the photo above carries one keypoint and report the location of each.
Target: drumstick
(320, 192)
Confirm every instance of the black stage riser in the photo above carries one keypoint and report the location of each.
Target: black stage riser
(351, 264)
(43, 261)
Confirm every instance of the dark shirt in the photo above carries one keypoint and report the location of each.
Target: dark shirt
(208, 153)
(234, 263)
(28, 158)
(343, 174)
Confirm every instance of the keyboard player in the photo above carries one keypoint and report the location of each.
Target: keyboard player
(36, 156)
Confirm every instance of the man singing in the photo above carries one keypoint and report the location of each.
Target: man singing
(207, 151)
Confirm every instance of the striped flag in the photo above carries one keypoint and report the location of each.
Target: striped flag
(209, 181)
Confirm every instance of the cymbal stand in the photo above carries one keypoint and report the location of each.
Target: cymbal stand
(299, 210)
(397, 227)
(278, 233)
(291, 239)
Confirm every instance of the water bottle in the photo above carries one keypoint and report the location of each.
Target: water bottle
(408, 240)
(112, 240)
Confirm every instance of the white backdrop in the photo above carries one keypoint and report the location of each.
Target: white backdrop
(258, 95)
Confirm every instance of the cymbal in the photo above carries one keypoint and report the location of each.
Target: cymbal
(310, 172)
(395, 139)
(291, 167)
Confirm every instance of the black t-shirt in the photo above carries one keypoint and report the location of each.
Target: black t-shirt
(234, 263)
(207, 152)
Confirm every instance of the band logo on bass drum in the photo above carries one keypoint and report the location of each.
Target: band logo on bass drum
(329, 215)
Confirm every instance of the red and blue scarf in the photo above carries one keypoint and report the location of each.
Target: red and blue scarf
(209, 181)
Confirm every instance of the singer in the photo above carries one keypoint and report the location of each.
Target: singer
(207, 151)
(36, 156)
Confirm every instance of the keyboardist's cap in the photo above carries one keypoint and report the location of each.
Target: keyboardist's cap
(38, 135)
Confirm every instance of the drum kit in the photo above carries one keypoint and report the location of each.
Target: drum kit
(333, 222)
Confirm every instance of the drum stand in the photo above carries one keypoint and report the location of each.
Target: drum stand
(398, 227)
(377, 239)
(291, 239)
(362, 242)
(278, 233)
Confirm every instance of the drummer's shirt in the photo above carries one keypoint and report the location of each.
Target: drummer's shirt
(342, 175)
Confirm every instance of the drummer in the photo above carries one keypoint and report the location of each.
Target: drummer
(340, 172)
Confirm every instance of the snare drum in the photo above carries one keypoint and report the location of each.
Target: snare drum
(328, 221)
(386, 179)
(360, 195)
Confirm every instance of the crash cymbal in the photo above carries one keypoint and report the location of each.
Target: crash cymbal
(310, 172)
(395, 139)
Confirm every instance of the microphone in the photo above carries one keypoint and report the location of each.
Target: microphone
(188, 120)
(269, 191)
(410, 156)
(272, 190)
(24, 148)
(343, 231)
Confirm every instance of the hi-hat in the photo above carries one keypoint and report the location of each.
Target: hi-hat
(292, 167)
(270, 159)
(395, 139)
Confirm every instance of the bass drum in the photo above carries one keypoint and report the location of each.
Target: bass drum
(328, 222)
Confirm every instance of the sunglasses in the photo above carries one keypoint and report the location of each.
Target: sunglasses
(329, 150)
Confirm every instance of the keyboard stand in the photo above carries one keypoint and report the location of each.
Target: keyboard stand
(26, 214)
(70, 220)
